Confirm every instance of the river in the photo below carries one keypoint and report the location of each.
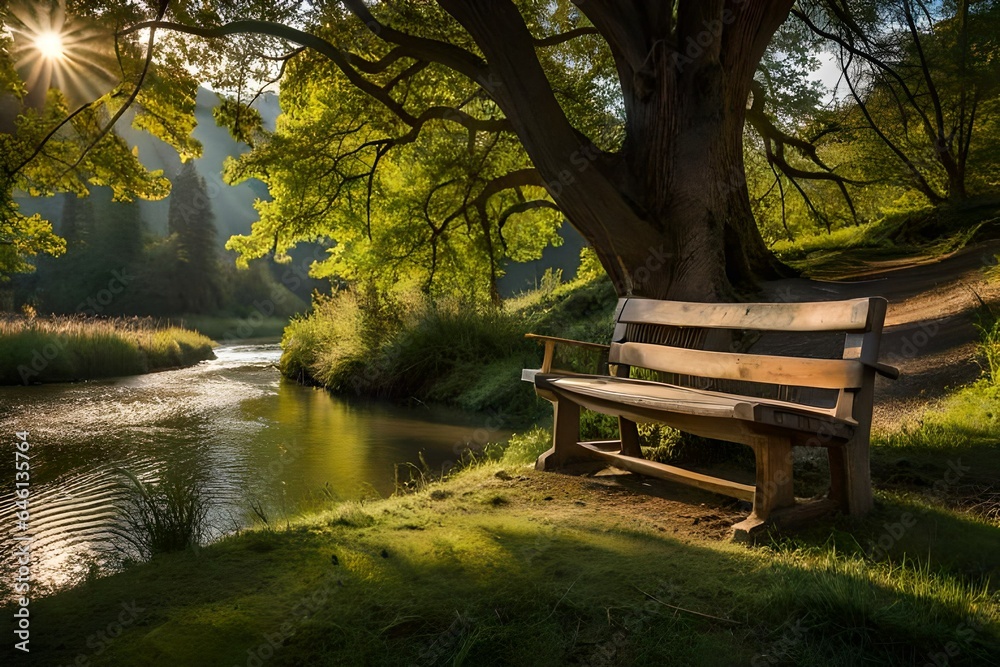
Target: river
(250, 438)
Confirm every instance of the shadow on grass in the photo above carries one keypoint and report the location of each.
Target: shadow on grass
(464, 581)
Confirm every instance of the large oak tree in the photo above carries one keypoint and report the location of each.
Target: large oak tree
(661, 196)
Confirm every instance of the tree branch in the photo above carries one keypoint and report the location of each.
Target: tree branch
(555, 40)
(423, 48)
(132, 96)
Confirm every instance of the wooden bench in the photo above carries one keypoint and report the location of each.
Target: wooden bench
(663, 366)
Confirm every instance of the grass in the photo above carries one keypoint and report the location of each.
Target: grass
(964, 426)
(501, 565)
(928, 232)
(58, 349)
(161, 516)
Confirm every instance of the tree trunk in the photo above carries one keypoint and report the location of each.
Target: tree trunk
(693, 185)
(669, 216)
(956, 182)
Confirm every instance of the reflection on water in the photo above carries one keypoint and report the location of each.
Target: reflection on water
(251, 437)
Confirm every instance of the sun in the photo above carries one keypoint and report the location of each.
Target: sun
(53, 49)
(50, 45)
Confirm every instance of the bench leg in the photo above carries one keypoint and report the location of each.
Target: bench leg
(565, 437)
(850, 476)
(774, 483)
(629, 433)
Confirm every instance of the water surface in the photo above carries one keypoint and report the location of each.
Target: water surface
(250, 438)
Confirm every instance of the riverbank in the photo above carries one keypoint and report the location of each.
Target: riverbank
(461, 355)
(42, 350)
(502, 565)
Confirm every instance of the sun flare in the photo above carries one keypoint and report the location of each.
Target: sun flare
(54, 50)
(50, 45)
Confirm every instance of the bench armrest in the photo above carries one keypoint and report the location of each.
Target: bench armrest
(550, 347)
(885, 370)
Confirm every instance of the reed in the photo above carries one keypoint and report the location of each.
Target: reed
(62, 349)
(162, 517)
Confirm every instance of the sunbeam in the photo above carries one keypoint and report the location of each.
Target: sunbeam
(54, 50)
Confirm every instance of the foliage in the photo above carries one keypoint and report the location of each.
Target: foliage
(924, 231)
(989, 345)
(377, 345)
(404, 344)
(115, 266)
(400, 143)
(46, 148)
(195, 279)
(525, 448)
(416, 169)
(407, 219)
(920, 77)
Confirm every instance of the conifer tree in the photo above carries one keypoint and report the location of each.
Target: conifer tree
(191, 224)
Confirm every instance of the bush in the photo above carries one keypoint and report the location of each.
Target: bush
(524, 448)
(450, 351)
(988, 325)
(402, 346)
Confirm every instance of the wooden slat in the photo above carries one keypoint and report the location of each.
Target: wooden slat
(566, 341)
(673, 474)
(818, 373)
(657, 396)
(688, 400)
(847, 316)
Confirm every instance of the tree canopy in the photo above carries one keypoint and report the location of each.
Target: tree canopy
(431, 142)
(920, 76)
(491, 121)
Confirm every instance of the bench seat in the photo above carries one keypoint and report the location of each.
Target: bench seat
(656, 401)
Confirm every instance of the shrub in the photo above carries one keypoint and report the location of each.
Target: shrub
(988, 325)
(524, 448)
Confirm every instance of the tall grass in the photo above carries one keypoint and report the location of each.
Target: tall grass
(61, 349)
(161, 517)
(448, 351)
(407, 346)
(868, 235)
(988, 326)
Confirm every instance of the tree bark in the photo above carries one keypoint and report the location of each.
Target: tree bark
(669, 216)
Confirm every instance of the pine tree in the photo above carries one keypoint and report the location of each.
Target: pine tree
(191, 224)
(65, 281)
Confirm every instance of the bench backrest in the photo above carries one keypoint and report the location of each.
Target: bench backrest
(664, 336)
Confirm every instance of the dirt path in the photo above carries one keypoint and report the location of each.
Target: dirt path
(930, 330)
